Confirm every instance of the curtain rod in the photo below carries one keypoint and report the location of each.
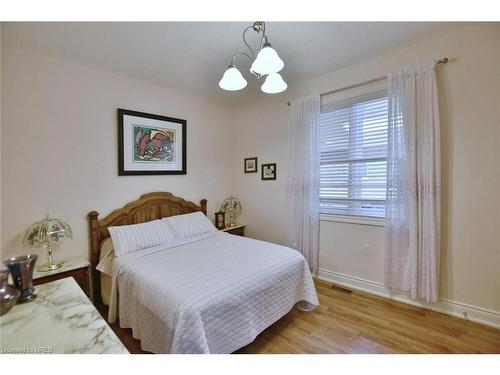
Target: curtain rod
(444, 60)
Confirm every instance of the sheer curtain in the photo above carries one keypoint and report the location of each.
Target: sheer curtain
(413, 206)
(302, 189)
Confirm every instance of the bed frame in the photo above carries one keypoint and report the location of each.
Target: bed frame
(148, 207)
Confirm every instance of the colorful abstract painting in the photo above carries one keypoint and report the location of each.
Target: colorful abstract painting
(153, 144)
(150, 144)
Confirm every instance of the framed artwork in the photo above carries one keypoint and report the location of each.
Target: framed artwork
(150, 144)
(220, 220)
(269, 171)
(250, 165)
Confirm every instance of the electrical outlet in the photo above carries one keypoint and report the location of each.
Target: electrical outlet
(366, 250)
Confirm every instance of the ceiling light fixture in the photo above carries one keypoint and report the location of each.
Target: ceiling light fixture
(267, 63)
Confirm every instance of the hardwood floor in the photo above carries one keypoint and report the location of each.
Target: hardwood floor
(355, 322)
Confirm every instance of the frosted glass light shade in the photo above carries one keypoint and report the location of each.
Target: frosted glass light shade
(274, 84)
(232, 80)
(49, 230)
(267, 62)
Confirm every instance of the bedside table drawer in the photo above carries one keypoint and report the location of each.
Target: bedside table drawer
(81, 276)
(238, 231)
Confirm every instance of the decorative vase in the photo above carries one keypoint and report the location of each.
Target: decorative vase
(21, 269)
(8, 294)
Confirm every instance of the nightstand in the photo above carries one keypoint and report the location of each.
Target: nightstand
(78, 268)
(238, 230)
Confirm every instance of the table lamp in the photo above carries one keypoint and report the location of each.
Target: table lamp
(232, 207)
(46, 233)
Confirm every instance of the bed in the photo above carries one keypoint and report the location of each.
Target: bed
(207, 293)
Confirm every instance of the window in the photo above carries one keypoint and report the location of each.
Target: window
(353, 147)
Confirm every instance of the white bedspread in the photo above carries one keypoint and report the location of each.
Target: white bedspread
(213, 294)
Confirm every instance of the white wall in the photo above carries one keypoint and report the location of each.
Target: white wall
(469, 96)
(59, 146)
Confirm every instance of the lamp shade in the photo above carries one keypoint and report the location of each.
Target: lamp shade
(46, 232)
(231, 204)
(267, 62)
(232, 80)
(274, 84)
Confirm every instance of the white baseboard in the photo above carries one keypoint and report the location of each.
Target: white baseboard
(453, 308)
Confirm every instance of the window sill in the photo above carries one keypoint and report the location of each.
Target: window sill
(363, 220)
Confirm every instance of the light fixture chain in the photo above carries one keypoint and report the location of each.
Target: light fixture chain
(246, 43)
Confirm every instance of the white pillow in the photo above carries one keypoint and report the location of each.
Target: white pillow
(128, 238)
(190, 225)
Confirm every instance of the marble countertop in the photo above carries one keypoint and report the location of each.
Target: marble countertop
(61, 319)
(68, 265)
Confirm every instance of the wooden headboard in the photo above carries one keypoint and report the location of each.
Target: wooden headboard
(148, 207)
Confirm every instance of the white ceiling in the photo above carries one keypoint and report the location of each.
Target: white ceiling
(192, 56)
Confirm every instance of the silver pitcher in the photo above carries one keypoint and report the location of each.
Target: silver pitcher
(21, 268)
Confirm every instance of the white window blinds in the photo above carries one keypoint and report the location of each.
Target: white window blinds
(353, 147)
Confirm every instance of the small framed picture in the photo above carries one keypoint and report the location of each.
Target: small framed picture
(269, 171)
(220, 220)
(250, 165)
